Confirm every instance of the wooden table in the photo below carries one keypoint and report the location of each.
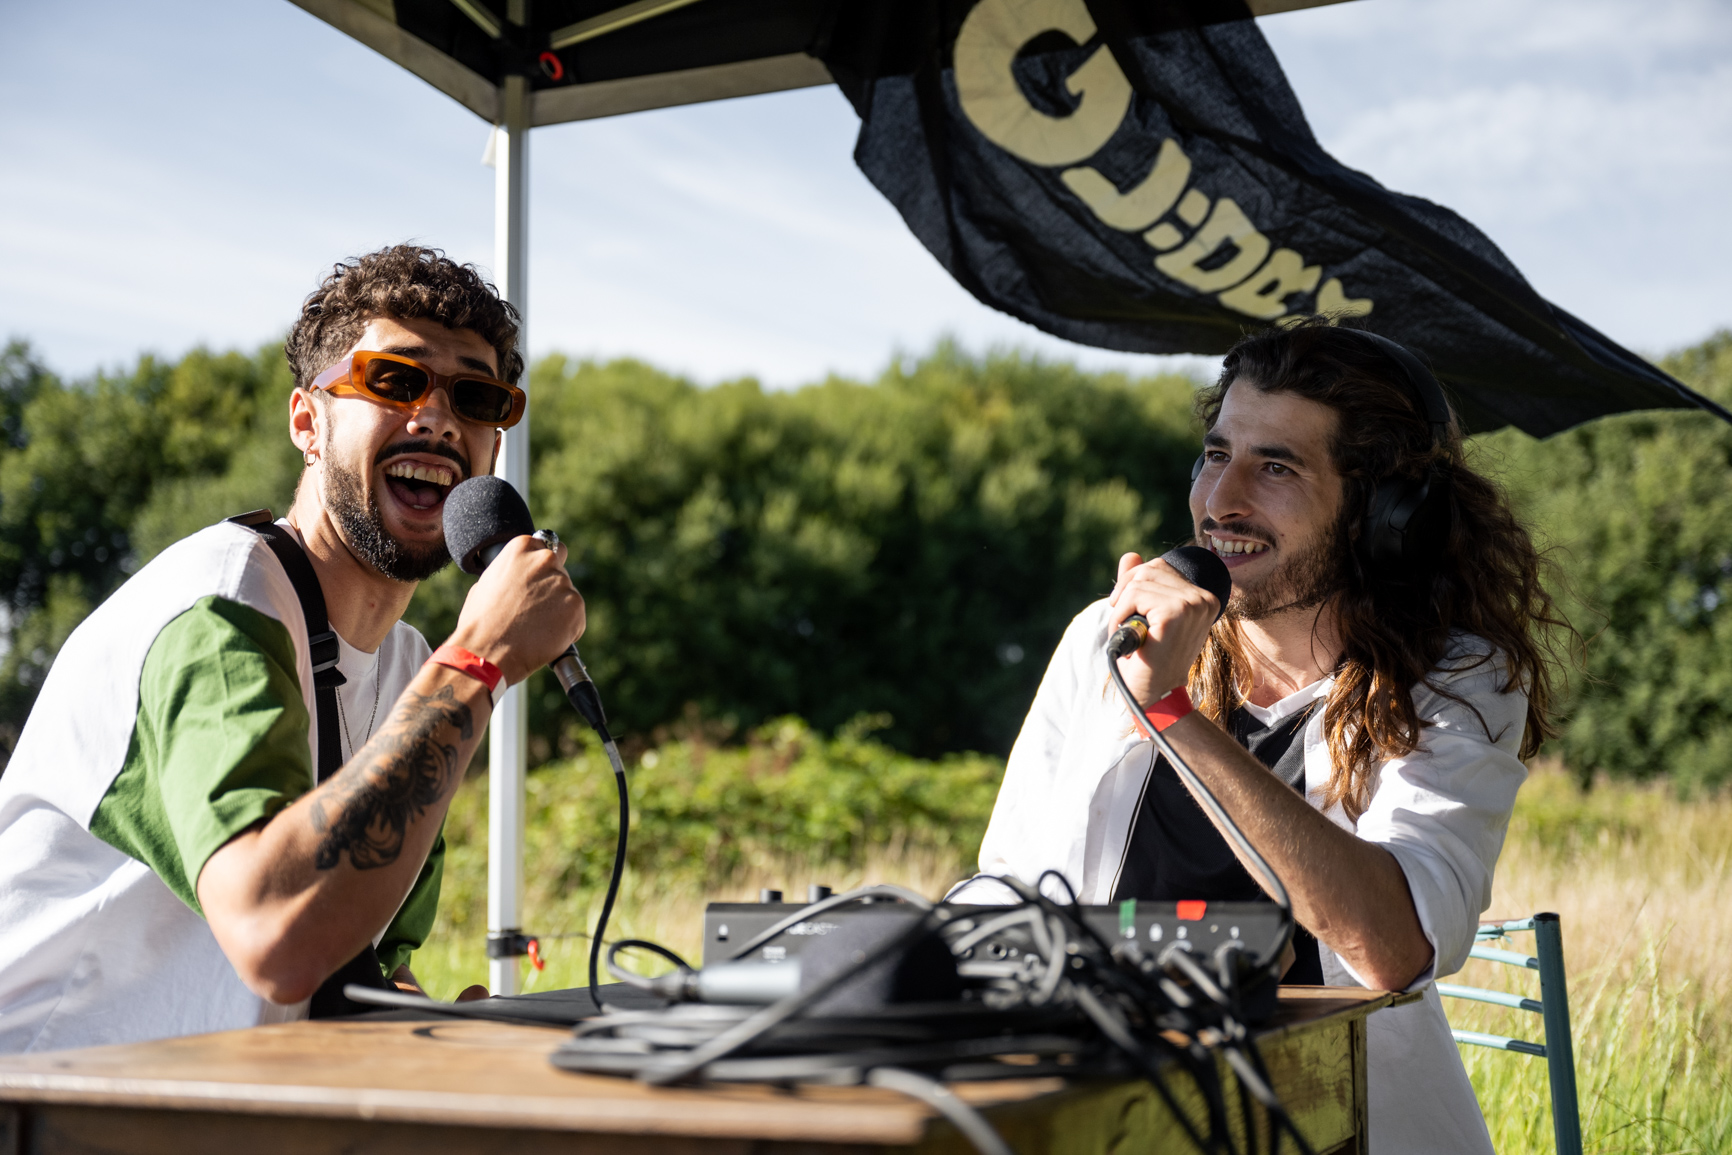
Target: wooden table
(405, 1088)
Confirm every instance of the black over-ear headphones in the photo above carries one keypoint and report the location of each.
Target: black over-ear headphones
(1407, 520)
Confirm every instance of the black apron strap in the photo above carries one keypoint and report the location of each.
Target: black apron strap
(364, 969)
(321, 638)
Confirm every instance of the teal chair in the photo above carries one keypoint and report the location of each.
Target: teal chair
(1553, 1007)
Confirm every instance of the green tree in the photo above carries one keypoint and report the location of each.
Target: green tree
(1636, 507)
(912, 547)
(96, 477)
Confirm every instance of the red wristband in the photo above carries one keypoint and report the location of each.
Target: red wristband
(1168, 710)
(464, 662)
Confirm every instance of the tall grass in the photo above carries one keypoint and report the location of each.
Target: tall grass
(1639, 877)
(1640, 880)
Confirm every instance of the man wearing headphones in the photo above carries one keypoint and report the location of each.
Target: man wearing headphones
(1361, 709)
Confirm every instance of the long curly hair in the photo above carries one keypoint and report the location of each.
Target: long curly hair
(1487, 583)
(410, 283)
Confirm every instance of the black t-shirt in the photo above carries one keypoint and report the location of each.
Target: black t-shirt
(1173, 851)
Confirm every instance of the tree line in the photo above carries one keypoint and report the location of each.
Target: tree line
(910, 547)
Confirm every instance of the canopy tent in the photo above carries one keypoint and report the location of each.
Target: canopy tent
(1131, 175)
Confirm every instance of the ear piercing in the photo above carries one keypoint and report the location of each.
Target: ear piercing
(309, 457)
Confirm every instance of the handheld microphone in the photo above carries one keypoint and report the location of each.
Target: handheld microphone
(481, 515)
(1196, 565)
(1200, 567)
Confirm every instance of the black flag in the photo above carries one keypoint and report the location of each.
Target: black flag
(1139, 176)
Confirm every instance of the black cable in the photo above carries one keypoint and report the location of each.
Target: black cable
(1251, 1080)
(1137, 998)
(1118, 1031)
(1127, 997)
(618, 863)
(743, 1033)
(936, 1095)
(636, 980)
(1247, 1062)
(1223, 820)
(1202, 1073)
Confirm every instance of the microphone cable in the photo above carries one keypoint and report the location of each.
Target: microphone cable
(1074, 1004)
(580, 691)
(1224, 821)
(481, 515)
(618, 871)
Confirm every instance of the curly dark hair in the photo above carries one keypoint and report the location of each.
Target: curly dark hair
(1488, 581)
(407, 282)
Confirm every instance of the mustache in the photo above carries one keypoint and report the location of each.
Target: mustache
(1237, 529)
(422, 445)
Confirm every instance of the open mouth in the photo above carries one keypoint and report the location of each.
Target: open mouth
(418, 485)
(1235, 548)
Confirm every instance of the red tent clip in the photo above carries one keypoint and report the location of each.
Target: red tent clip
(539, 963)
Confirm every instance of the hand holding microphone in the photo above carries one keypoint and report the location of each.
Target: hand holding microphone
(523, 588)
(524, 585)
(523, 612)
(1164, 609)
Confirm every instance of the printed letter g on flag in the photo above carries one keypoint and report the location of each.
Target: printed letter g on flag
(986, 47)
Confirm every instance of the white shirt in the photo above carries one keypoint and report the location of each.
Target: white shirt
(1441, 811)
(94, 947)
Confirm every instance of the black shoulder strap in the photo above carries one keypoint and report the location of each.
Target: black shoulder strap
(364, 969)
(321, 638)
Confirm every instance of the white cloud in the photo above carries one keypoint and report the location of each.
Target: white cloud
(1589, 139)
(186, 170)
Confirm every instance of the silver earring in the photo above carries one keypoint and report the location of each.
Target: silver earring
(309, 458)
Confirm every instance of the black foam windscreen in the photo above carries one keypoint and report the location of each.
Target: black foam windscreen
(1202, 568)
(481, 514)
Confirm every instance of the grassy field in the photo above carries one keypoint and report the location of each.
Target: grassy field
(1640, 880)
(1639, 877)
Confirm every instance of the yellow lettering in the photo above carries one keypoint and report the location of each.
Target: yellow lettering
(1226, 225)
(1193, 208)
(985, 49)
(1335, 304)
(1163, 237)
(1264, 293)
(1143, 205)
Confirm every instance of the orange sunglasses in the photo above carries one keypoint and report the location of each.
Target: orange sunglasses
(403, 383)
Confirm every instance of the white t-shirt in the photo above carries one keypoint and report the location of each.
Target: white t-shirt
(95, 947)
(1442, 812)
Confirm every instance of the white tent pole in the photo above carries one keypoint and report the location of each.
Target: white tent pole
(508, 735)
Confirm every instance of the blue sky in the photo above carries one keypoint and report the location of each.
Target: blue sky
(181, 172)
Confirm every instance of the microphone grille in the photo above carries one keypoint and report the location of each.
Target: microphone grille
(481, 512)
(1201, 567)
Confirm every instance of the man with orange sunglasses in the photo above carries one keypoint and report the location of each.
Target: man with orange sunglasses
(170, 860)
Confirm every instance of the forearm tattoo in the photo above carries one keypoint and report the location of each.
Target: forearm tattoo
(366, 810)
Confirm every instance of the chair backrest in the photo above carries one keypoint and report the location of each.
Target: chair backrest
(1553, 1007)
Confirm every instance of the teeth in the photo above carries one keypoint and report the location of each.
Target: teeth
(415, 471)
(1233, 547)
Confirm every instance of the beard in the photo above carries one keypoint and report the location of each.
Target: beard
(1316, 571)
(363, 527)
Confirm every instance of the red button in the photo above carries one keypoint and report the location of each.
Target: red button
(1191, 909)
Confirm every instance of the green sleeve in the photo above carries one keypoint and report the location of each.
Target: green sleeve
(219, 744)
(414, 921)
